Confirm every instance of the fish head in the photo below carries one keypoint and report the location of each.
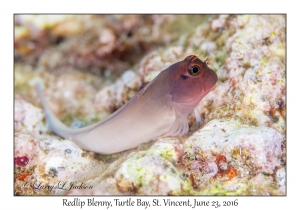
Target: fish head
(191, 79)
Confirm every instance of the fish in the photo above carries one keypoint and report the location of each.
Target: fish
(160, 109)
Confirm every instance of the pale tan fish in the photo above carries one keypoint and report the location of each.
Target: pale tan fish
(160, 109)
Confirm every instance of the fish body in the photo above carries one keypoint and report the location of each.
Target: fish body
(160, 109)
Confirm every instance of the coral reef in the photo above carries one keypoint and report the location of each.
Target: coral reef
(91, 65)
(51, 165)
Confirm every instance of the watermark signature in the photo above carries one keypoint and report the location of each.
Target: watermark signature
(61, 185)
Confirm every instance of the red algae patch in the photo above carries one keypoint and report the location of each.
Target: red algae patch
(229, 172)
(21, 161)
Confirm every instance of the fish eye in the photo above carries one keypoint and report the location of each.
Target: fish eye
(194, 70)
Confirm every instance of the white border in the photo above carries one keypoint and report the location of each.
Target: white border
(8, 201)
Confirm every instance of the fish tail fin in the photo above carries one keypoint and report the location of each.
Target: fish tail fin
(53, 122)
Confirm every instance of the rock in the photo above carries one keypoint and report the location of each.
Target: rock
(153, 172)
(53, 165)
(28, 118)
(259, 145)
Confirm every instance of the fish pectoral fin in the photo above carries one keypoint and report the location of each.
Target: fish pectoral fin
(179, 128)
(198, 118)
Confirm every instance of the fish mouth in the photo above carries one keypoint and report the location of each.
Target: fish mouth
(213, 87)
